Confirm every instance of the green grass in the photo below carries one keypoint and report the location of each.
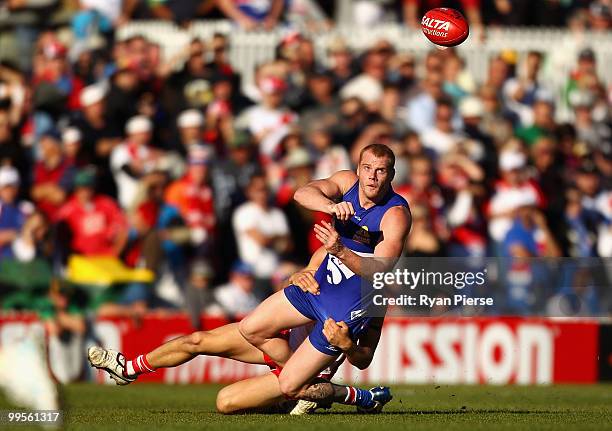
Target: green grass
(156, 407)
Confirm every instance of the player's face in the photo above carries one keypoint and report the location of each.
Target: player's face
(375, 175)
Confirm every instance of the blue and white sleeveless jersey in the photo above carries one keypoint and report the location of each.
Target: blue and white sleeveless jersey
(342, 296)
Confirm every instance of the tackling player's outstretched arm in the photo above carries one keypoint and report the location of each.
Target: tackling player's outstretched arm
(320, 195)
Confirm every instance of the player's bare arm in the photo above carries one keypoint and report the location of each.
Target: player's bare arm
(322, 195)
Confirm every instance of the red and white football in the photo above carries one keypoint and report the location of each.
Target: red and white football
(445, 26)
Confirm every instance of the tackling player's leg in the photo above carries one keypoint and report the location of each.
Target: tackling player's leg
(254, 393)
(224, 341)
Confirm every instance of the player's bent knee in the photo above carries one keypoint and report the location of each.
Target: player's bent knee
(288, 387)
(249, 331)
(224, 404)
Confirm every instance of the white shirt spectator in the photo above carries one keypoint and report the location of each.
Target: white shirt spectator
(270, 222)
(235, 300)
(333, 160)
(122, 156)
(439, 141)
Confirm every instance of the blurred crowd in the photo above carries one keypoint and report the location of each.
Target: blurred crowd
(178, 167)
(105, 15)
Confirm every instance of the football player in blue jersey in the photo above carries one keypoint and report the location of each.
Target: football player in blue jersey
(371, 223)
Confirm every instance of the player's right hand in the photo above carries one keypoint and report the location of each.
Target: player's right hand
(343, 210)
(305, 280)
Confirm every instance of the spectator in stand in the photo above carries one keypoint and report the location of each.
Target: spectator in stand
(31, 240)
(422, 190)
(442, 138)
(543, 123)
(99, 135)
(220, 63)
(595, 134)
(12, 216)
(320, 105)
(232, 175)
(420, 111)
(461, 179)
(193, 197)
(578, 231)
(330, 158)
(253, 14)
(341, 62)
(190, 125)
(520, 93)
(53, 175)
(496, 122)
(509, 193)
(100, 16)
(237, 297)
(422, 241)
(262, 232)
(95, 222)
(11, 152)
(600, 16)
(497, 75)
(133, 158)
(269, 120)
(200, 297)
(368, 86)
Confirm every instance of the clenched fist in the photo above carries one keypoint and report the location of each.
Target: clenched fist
(337, 333)
(343, 210)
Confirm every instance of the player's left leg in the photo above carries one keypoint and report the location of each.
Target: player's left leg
(250, 394)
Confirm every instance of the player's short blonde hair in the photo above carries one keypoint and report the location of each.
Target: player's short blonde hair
(379, 150)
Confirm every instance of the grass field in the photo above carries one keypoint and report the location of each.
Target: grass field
(156, 407)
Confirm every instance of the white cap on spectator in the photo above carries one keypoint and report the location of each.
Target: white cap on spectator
(138, 124)
(190, 118)
(71, 135)
(92, 94)
(471, 107)
(510, 160)
(8, 176)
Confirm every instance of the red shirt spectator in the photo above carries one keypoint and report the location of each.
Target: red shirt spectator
(98, 226)
(192, 196)
(53, 176)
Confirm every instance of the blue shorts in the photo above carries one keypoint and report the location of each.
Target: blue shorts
(310, 306)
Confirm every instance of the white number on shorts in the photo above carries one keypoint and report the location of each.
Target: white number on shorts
(336, 268)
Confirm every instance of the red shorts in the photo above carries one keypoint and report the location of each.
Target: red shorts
(274, 367)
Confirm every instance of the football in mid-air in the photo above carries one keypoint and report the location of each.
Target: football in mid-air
(445, 26)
